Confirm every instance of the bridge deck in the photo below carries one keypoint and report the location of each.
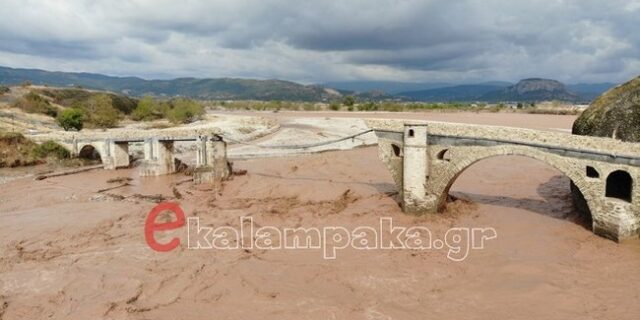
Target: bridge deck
(593, 148)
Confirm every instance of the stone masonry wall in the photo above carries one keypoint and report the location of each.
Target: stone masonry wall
(612, 218)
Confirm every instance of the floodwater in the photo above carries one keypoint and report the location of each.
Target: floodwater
(73, 247)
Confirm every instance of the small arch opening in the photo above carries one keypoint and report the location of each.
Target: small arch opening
(411, 133)
(444, 154)
(396, 150)
(89, 152)
(619, 185)
(592, 172)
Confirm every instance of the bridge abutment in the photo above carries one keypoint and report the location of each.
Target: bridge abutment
(211, 162)
(615, 220)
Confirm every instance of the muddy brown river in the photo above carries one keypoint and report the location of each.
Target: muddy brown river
(71, 250)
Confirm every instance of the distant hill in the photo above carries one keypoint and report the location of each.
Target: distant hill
(218, 89)
(390, 87)
(250, 89)
(526, 90)
(469, 92)
(534, 89)
(590, 91)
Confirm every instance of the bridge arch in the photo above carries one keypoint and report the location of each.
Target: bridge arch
(448, 171)
(619, 185)
(91, 152)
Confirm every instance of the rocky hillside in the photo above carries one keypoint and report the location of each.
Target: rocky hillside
(527, 90)
(534, 89)
(614, 114)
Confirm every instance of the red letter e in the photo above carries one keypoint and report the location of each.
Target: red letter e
(150, 226)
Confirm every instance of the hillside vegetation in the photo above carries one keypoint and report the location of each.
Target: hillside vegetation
(75, 109)
(614, 114)
(16, 150)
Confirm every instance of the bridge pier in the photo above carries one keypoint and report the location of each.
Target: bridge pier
(415, 170)
(211, 161)
(75, 151)
(158, 158)
(116, 155)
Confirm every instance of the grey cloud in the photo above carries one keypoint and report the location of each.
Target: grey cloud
(312, 41)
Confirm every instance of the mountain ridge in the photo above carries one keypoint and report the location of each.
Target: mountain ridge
(276, 89)
(210, 88)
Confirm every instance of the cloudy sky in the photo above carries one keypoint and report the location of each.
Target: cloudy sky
(315, 41)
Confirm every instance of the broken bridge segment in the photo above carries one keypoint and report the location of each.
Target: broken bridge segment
(159, 158)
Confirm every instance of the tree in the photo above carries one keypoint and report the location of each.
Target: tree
(100, 111)
(184, 111)
(349, 101)
(71, 119)
(147, 109)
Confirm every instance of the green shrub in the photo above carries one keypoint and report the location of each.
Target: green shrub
(4, 89)
(50, 149)
(76, 97)
(100, 112)
(393, 107)
(308, 107)
(334, 106)
(368, 106)
(147, 109)
(71, 119)
(123, 104)
(349, 101)
(34, 103)
(184, 111)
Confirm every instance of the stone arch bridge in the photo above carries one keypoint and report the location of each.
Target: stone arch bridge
(426, 158)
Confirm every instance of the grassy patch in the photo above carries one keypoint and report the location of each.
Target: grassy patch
(16, 150)
(50, 149)
(34, 103)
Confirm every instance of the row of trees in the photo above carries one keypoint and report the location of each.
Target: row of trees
(179, 110)
(99, 111)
